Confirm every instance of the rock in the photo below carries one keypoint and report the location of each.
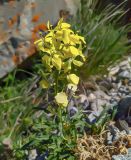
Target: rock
(129, 82)
(91, 97)
(124, 91)
(119, 84)
(114, 94)
(113, 101)
(20, 15)
(91, 117)
(32, 154)
(114, 79)
(101, 95)
(106, 84)
(129, 121)
(113, 71)
(123, 109)
(14, 42)
(83, 101)
(7, 142)
(119, 157)
(121, 89)
(97, 106)
(123, 63)
(123, 126)
(129, 151)
(125, 74)
(123, 157)
(109, 138)
(114, 131)
(73, 5)
(73, 111)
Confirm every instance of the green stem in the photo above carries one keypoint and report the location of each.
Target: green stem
(56, 82)
(61, 122)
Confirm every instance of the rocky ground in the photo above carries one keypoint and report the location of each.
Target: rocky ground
(112, 91)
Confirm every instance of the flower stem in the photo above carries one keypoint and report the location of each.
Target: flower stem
(61, 122)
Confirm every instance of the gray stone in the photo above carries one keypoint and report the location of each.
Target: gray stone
(124, 107)
(92, 117)
(125, 74)
(32, 154)
(109, 138)
(123, 63)
(106, 84)
(113, 71)
(123, 157)
(91, 97)
(119, 157)
(83, 101)
(73, 111)
(129, 152)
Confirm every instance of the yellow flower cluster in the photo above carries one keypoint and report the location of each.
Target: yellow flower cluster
(62, 49)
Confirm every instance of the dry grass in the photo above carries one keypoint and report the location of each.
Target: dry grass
(94, 147)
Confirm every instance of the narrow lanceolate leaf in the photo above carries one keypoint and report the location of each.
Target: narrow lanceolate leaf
(61, 99)
(72, 78)
(56, 61)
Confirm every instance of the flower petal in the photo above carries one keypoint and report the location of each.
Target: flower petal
(77, 63)
(72, 78)
(61, 99)
(44, 84)
(56, 61)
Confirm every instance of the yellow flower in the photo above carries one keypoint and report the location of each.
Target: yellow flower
(47, 61)
(61, 99)
(65, 25)
(77, 63)
(72, 78)
(72, 87)
(56, 61)
(66, 39)
(74, 51)
(62, 49)
(44, 84)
